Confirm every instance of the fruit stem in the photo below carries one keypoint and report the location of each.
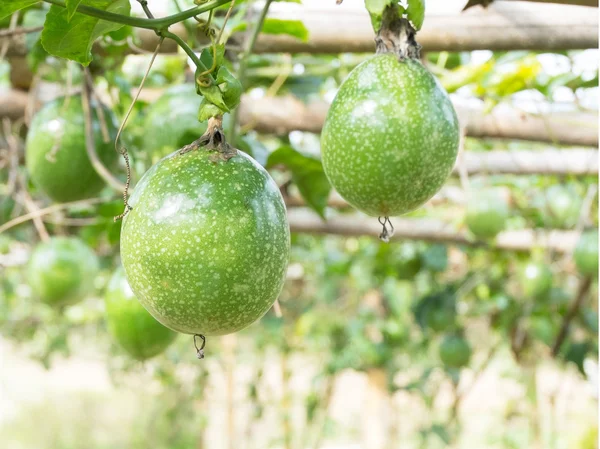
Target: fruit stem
(397, 35)
(212, 139)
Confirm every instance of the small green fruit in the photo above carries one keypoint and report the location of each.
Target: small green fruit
(205, 248)
(455, 351)
(586, 253)
(61, 271)
(487, 213)
(55, 152)
(562, 207)
(536, 279)
(130, 324)
(391, 136)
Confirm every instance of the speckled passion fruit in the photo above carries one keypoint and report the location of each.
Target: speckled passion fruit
(55, 153)
(61, 271)
(206, 246)
(136, 331)
(391, 136)
(487, 213)
(586, 253)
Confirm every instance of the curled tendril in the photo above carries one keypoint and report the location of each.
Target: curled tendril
(200, 350)
(203, 78)
(386, 234)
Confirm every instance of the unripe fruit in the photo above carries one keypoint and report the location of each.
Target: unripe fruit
(536, 279)
(487, 213)
(455, 351)
(586, 253)
(61, 271)
(205, 248)
(136, 331)
(391, 136)
(55, 152)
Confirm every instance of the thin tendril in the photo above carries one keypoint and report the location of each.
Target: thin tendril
(123, 151)
(386, 234)
(200, 350)
(225, 21)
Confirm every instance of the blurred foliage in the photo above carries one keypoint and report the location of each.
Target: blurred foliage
(349, 304)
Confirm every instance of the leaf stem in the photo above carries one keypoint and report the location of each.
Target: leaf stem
(139, 22)
(185, 48)
(241, 73)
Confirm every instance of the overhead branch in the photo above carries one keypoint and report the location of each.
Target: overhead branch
(504, 25)
(306, 221)
(280, 115)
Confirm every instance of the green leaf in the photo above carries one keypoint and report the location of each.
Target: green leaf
(376, 8)
(416, 13)
(213, 95)
(230, 87)
(72, 7)
(307, 174)
(73, 39)
(7, 7)
(208, 110)
(293, 28)
(414, 10)
(206, 56)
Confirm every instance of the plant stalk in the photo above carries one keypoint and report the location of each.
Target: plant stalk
(241, 72)
(139, 22)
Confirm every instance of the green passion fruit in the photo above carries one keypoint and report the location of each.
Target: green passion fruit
(586, 253)
(391, 135)
(136, 331)
(455, 351)
(205, 247)
(61, 271)
(487, 213)
(536, 279)
(55, 152)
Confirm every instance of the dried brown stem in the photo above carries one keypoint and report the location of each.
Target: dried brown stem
(90, 145)
(48, 210)
(584, 288)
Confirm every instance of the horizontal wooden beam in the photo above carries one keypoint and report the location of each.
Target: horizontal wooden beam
(280, 115)
(356, 225)
(501, 26)
(505, 25)
(592, 3)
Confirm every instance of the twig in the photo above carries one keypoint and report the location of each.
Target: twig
(277, 309)
(12, 26)
(322, 422)
(48, 210)
(225, 21)
(71, 221)
(584, 212)
(13, 157)
(144, 4)
(461, 166)
(460, 395)
(98, 107)
(122, 150)
(20, 30)
(241, 73)
(90, 145)
(33, 208)
(584, 287)
(30, 205)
